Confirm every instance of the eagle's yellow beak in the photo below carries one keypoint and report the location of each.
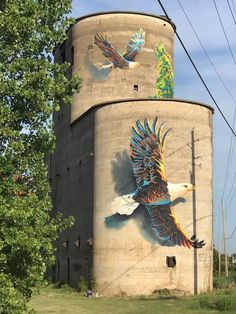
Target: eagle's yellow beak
(191, 188)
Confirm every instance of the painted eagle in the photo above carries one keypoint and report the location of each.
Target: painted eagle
(117, 59)
(153, 190)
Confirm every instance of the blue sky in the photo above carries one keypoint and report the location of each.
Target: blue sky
(203, 16)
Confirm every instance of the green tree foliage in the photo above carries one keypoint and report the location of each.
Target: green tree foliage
(215, 261)
(31, 87)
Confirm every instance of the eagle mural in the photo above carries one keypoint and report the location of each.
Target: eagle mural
(125, 60)
(154, 191)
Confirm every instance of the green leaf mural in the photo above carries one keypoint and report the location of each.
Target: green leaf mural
(165, 73)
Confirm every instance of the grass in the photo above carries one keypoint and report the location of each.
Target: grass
(66, 300)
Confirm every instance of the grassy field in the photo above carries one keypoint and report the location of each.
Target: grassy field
(51, 300)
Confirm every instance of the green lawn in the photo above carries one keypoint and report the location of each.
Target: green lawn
(52, 300)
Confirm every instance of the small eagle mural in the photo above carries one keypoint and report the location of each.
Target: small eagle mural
(125, 60)
(154, 191)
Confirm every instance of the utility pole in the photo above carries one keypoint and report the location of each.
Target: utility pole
(225, 240)
(219, 257)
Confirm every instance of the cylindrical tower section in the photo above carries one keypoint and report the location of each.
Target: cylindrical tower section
(128, 259)
(117, 55)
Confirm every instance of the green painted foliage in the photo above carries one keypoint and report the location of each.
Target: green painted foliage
(31, 87)
(165, 74)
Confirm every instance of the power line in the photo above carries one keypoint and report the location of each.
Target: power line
(231, 11)
(232, 234)
(222, 26)
(231, 149)
(200, 76)
(231, 189)
(233, 7)
(206, 53)
(231, 142)
(232, 197)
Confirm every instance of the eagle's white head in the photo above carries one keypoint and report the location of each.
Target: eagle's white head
(179, 189)
(133, 65)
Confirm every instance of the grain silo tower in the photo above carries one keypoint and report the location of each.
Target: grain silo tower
(133, 242)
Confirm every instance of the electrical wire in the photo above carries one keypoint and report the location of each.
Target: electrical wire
(222, 26)
(200, 76)
(233, 7)
(231, 52)
(231, 11)
(231, 149)
(232, 233)
(231, 189)
(232, 197)
(195, 67)
(206, 53)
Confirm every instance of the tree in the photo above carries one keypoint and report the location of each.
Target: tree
(31, 87)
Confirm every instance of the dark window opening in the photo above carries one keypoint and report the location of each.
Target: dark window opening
(171, 261)
(72, 56)
(77, 243)
(90, 241)
(66, 244)
(68, 270)
(58, 271)
(53, 273)
(135, 88)
(63, 56)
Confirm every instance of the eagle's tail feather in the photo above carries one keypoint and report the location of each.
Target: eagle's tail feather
(124, 205)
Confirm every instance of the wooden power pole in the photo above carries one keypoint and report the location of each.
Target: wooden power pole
(225, 240)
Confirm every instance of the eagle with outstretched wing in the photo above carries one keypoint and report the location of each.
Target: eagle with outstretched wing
(153, 189)
(117, 59)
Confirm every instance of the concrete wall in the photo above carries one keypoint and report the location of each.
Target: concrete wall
(91, 166)
(100, 86)
(72, 176)
(126, 257)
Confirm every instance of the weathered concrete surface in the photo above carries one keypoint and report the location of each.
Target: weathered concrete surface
(126, 258)
(119, 27)
(91, 166)
(72, 176)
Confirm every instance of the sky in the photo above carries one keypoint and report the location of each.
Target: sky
(203, 16)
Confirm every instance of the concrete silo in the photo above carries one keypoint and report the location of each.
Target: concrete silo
(91, 165)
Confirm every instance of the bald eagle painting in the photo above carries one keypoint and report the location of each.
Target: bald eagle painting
(117, 59)
(153, 190)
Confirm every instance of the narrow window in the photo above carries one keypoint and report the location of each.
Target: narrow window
(53, 273)
(62, 52)
(68, 270)
(135, 88)
(66, 244)
(171, 261)
(77, 243)
(72, 56)
(58, 271)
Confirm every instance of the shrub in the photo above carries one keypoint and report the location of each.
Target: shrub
(83, 284)
(92, 284)
(217, 302)
(11, 301)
